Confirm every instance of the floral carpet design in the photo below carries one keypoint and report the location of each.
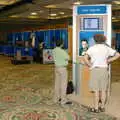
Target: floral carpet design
(26, 94)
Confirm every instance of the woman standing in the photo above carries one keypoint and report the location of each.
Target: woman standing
(97, 58)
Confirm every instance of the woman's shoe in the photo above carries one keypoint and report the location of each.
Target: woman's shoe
(93, 110)
(101, 109)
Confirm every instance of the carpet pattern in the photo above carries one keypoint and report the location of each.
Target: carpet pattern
(26, 93)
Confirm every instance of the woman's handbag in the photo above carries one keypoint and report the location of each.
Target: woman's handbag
(70, 87)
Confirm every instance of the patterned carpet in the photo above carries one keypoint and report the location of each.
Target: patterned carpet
(26, 94)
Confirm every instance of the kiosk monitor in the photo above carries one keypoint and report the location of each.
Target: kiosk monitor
(91, 23)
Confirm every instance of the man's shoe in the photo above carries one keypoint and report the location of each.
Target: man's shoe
(68, 103)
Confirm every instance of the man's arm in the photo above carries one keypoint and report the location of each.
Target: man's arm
(115, 57)
(87, 60)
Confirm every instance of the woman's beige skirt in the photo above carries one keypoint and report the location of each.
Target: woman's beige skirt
(99, 79)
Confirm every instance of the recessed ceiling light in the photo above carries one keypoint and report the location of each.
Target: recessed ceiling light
(14, 16)
(116, 20)
(51, 17)
(53, 14)
(33, 13)
(65, 16)
(113, 18)
(62, 13)
(33, 17)
(50, 6)
(58, 17)
(77, 3)
(8, 2)
(116, 2)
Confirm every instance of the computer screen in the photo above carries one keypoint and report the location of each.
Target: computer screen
(91, 24)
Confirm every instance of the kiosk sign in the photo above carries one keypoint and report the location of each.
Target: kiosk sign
(91, 10)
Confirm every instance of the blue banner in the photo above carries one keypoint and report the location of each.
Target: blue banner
(92, 9)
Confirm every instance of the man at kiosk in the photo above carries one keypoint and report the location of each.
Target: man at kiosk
(97, 58)
(61, 58)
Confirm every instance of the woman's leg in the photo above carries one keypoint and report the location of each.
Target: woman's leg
(103, 99)
(96, 99)
(95, 102)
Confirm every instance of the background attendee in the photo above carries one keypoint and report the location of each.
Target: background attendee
(97, 58)
(27, 47)
(61, 58)
(40, 51)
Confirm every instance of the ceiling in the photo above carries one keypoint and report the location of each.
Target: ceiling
(41, 10)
